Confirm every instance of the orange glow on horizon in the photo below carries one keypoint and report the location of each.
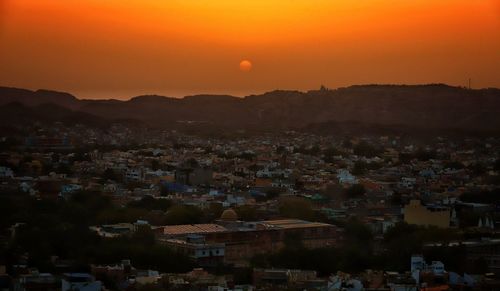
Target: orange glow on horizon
(119, 48)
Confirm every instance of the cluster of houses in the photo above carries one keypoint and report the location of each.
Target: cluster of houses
(124, 276)
(396, 179)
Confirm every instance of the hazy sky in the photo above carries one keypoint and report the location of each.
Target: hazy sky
(122, 48)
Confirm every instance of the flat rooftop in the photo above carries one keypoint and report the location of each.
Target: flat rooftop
(261, 225)
(193, 229)
(292, 223)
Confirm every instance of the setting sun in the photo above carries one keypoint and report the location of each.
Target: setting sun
(102, 49)
(245, 66)
(249, 145)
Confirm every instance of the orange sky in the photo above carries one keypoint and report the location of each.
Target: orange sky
(122, 48)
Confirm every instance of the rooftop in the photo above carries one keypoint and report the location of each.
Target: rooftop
(291, 223)
(193, 228)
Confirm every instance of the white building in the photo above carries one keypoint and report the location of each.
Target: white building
(80, 281)
(6, 172)
(345, 177)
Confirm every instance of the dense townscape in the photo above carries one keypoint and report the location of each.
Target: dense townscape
(249, 145)
(131, 208)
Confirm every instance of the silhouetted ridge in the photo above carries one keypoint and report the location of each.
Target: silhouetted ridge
(430, 106)
(151, 98)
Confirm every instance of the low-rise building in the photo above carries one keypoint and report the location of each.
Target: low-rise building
(416, 213)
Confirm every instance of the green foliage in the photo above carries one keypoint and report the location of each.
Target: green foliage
(273, 193)
(64, 168)
(357, 253)
(488, 197)
(496, 165)
(333, 191)
(366, 150)
(396, 199)
(356, 232)
(130, 215)
(323, 260)
(295, 207)
(151, 203)
(453, 165)
(110, 174)
(61, 228)
(92, 201)
(214, 211)
(293, 241)
(155, 165)
(332, 151)
(477, 169)
(452, 257)
(355, 191)
(468, 218)
(403, 240)
(142, 255)
(405, 158)
(359, 168)
(312, 150)
(424, 155)
(183, 214)
(346, 143)
(247, 213)
(81, 156)
(247, 156)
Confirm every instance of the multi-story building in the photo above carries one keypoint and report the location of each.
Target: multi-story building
(243, 240)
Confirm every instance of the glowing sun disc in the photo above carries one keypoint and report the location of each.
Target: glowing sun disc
(245, 65)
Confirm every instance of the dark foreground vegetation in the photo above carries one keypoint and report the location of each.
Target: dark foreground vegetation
(61, 228)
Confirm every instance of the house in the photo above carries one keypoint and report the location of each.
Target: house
(6, 172)
(135, 174)
(37, 281)
(284, 278)
(407, 183)
(80, 281)
(194, 176)
(194, 245)
(416, 213)
(345, 177)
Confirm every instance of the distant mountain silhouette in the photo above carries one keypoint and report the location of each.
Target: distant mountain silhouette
(433, 106)
(31, 98)
(16, 113)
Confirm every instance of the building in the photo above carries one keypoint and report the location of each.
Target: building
(80, 281)
(344, 177)
(416, 213)
(37, 281)
(53, 143)
(6, 172)
(135, 174)
(205, 254)
(243, 240)
(484, 251)
(194, 176)
(284, 278)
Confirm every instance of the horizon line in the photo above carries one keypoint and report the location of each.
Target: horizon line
(322, 87)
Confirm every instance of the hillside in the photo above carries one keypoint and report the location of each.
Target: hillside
(434, 106)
